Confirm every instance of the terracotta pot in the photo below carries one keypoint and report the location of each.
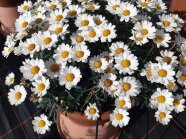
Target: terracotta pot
(179, 7)
(77, 126)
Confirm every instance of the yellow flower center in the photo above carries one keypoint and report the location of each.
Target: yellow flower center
(144, 31)
(162, 115)
(97, 21)
(73, 12)
(162, 73)
(119, 116)
(158, 7)
(64, 3)
(59, 17)
(149, 72)
(54, 68)
(126, 63)
(119, 50)
(11, 80)
(24, 24)
(35, 70)
(139, 39)
(84, 23)
(70, 77)
(97, 64)
(41, 123)
(144, 4)
(25, 8)
(114, 7)
(183, 63)
(52, 6)
(126, 86)
(92, 34)
(79, 54)
(108, 83)
(31, 47)
(10, 50)
(159, 38)
(91, 7)
(167, 59)
(18, 95)
(64, 54)
(79, 39)
(106, 32)
(166, 23)
(41, 87)
(126, 12)
(176, 102)
(92, 110)
(47, 40)
(122, 103)
(161, 99)
(38, 20)
(183, 77)
(58, 30)
(108, 70)
(170, 85)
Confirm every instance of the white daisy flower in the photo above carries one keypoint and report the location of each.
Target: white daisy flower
(179, 40)
(74, 10)
(123, 102)
(30, 46)
(183, 49)
(148, 71)
(58, 16)
(171, 85)
(126, 11)
(113, 5)
(92, 112)
(33, 68)
(160, 6)
(40, 86)
(46, 40)
(69, 76)
(84, 21)
(164, 73)
(21, 35)
(182, 63)
(126, 63)
(108, 82)
(98, 64)
(92, 34)
(140, 18)
(65, 3)
(99, 20)
(23, 22)
(41, 124)
(17, 95)
(179, 21)
(63, 53)
(167, 57)
(108, 32)
(145, 4)
(107, 57)
(119, 118)
(92, 6)
(78, 38)
(161, 99)
(181, 78)
(7, 51)
(145, 29)
(129, 86)
(59, 29)
(162, 38)
(80, 53)
(163, 116)
(52, 5)
(138, 38)
(53, 68)
(118, 48)
(178, 103)
(9, 80)
(24, 7)
(167, 23)
(38, 20)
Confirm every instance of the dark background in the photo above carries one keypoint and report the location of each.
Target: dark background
(15, 122)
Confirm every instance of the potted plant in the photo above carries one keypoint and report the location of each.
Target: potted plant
(88, 62)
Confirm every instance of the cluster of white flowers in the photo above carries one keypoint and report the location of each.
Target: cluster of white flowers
(44, 25)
